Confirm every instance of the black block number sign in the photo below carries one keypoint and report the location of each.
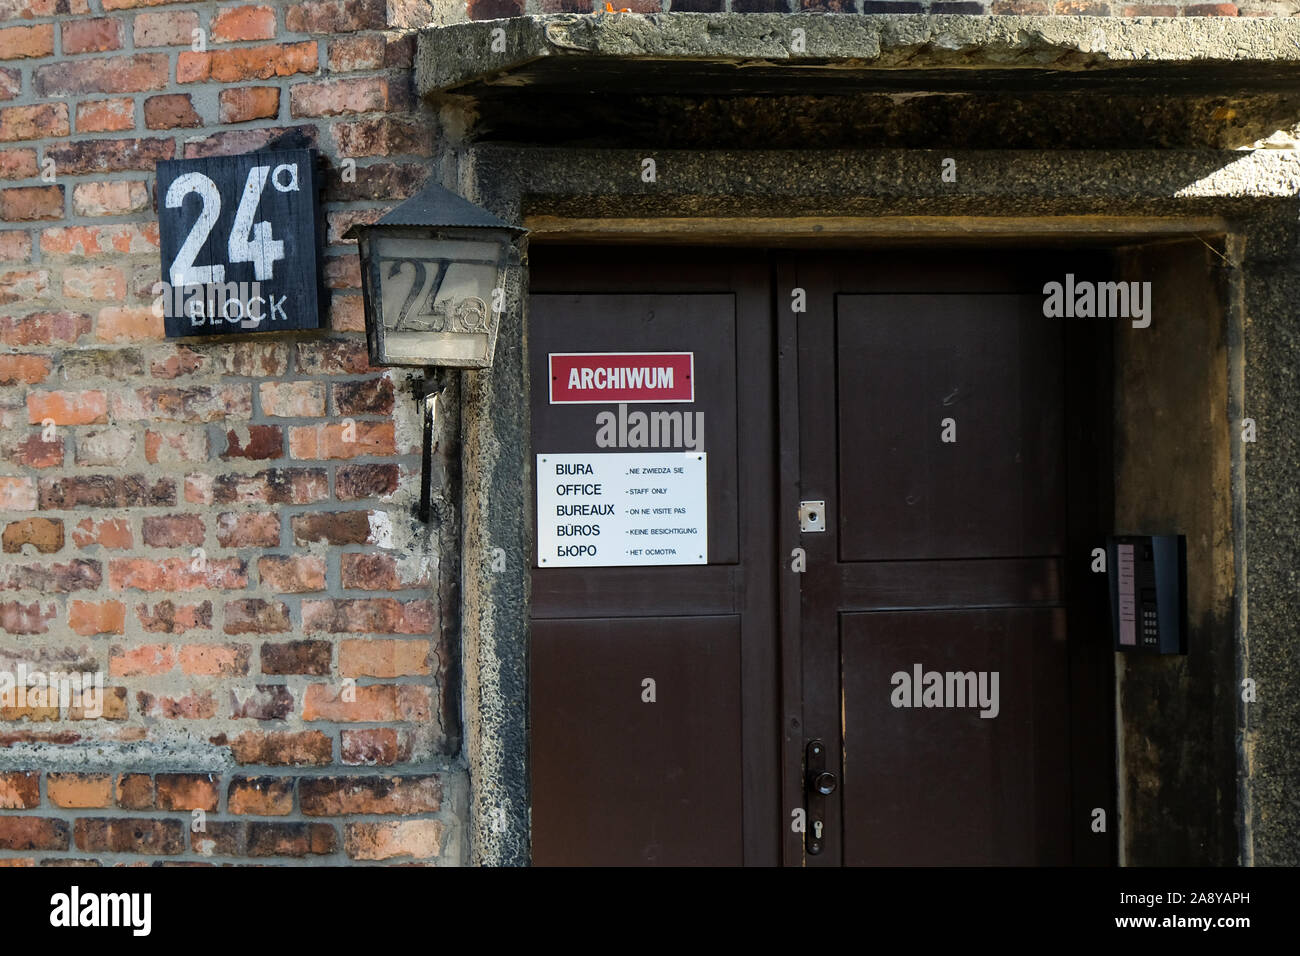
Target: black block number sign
(240, 243)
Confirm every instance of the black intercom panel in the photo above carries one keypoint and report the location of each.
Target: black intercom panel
(1148, 592)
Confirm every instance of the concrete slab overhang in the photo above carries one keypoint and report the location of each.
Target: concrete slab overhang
(754, 54)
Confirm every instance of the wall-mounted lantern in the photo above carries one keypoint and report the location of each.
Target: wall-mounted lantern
(434, 274)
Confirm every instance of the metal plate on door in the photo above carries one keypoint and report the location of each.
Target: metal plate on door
(812, 516)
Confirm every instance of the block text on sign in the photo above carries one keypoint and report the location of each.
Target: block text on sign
(239, 243)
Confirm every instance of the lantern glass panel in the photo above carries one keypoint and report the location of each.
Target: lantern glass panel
(436, 296)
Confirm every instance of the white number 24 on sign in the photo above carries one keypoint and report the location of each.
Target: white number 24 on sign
(249, 241)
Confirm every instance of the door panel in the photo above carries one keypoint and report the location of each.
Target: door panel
(990, 366)
(646, 783)
(944, 785)
(689, 777)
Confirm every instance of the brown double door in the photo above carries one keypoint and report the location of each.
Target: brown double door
(931, 619)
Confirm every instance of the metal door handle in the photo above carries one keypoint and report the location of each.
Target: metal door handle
(823, 783)
(819, 783)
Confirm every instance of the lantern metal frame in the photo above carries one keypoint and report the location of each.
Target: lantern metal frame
(460, 334)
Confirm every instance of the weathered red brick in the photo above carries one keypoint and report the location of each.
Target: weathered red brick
(24, 285)
(31, 203)
(96, 35)
(77, 575)
(172, 531)
(106, 491)
(382, 136)
(195, 705)
(338, 528)
(15, 246)
(110, 533)
(259, 529)
(498, 9)
(170, 446)
(260, 796)
(20, 790)
(343, 440)
(87, 156)
(369, 397)
(215, 660)
(379, 181)
(263, 839)
(176, 574)
(106, 116)
(340, 222)
(21, 42)
(421, 839)
(172, 28)
(194, 403)
(170, 111)
(362, 95)
(167, 617)
(117, 74)
(247, 63)
(264, 702)
(378, 658)
(254, 443)
(187, 791)
(336, 16)
(24, 368)
(368, 616)
(292, 399)
(277, 486)
(34, 122)
(292, 574)
(17, 493)
(67, 407)
(282, 748)
(128, 835)
(336, 796)
(18, 163)
(105, 446)
(256, 616)
(374, 746)
(177, 362)
(34, 452)
(373, 703)
(347, 313)
(97, 282)
(354, 54)
(89, 618)
(91, 241)
(355, 482)
(237, 24)
(19, 618)
(297, 657)
(246, 103)
(236, 141)
(43, 534)
(33, 833)
(146, 659)
(77, 790)
(135, 791)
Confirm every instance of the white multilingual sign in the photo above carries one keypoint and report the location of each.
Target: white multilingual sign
(618, 509)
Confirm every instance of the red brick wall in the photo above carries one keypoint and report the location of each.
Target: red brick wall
(199, 522)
